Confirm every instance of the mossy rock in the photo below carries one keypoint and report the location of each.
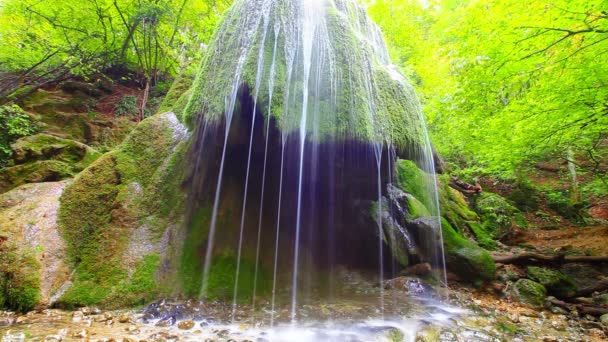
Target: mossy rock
(411, 179)
(454, 206)
(498, 216)
(373, 103)
(47, 147)
(177, 97)
(19, 279)
(132, 188)
(465, 258)
(45, 158)
(529, 292)
(32, 254)
(35, 172)
(556, 283)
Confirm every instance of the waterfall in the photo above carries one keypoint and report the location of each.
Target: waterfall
(299, 118)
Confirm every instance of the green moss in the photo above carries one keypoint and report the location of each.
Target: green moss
(191, 265)
(174, 100)
(411, 180)
(142, 287)
(34, 172)
(371, 102)
(222, 277)
(119, 192)
(483, 238)
(556, 283)
(416, 209)
(529, 292)
(19, 279)
(498, 216)
(465, 258)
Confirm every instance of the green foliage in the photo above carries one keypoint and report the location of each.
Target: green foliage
(47, 40)
(504, 82)
(561, 201)
(127, 106)
(19, 278)
(14, 124)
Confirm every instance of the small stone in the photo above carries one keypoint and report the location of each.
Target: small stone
(514, 318)
(559, 325)
(107, 316)
(53, 338)
(604, 320)
(20, 320)
(124, 319)
(132, 329)
(166, 322)
(186, 325)
(550, 339)
(81, 334)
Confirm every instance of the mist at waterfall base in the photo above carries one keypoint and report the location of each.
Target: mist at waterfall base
(299, 118)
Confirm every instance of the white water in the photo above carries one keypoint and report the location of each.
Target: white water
(258, 82)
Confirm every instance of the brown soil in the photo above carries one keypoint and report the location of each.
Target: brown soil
(592, 240)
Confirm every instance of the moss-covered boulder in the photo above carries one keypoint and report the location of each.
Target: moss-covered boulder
(529, 292)
(556, 283)
(49, 147)
(498, 216)
(33, 264)
(45, 158)
(119, 217)
(465, 258)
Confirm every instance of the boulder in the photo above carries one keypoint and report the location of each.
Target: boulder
(45, 158)
(529, 292)
(33, 263)
(556, 283)
(465, 258)
(498, 216)
(119, 216)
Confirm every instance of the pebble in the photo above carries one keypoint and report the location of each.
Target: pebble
(124, 319)
(81, 334)
(186, 325)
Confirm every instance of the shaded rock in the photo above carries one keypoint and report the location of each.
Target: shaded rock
(47, 147)
(555, 282)
(36, 172)
(583, 274)
(45, 158)
(86, 88)
(498, 216)
(529, 292)
(409, 284)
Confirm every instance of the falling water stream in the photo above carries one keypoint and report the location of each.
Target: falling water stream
(297, 106)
